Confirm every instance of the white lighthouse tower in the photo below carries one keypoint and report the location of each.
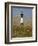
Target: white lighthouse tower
(21, 21)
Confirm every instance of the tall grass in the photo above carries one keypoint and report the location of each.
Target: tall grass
(21, 31)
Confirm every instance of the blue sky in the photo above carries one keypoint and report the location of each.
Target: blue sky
(26, 11)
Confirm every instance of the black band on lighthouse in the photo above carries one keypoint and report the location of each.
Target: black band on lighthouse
(22, 15)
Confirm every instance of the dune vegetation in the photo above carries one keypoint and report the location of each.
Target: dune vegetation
(19, 30)
(22, 31)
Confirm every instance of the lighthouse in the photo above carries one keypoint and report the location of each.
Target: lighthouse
(21, 21)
